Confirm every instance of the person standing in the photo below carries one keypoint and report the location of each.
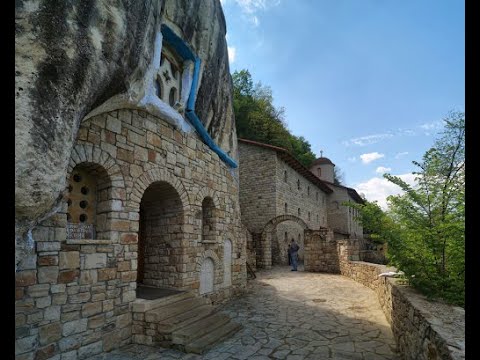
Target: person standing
(294, 254)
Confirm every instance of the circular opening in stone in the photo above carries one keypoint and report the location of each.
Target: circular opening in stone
(83, 204)
(83, 218)
(172, 96)
(84, 190)
(77, 178)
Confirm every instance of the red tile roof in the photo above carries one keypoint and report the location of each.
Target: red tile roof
(322, 160)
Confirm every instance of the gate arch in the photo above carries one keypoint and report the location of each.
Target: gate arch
(264, 249)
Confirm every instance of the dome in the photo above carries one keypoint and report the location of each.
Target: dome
(322, 160)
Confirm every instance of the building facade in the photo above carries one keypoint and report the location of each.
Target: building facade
(280, 198)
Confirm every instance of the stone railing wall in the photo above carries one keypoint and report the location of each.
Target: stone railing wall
(422, 329)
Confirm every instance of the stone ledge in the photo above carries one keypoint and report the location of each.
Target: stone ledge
(423, 329)
(88, 242)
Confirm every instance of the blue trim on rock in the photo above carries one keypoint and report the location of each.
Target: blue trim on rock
(184, 51)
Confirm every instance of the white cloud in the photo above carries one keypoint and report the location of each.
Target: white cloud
(378, 189)
(368, 158)
(399, 155)
(382, 170)
(232, 51)
(251, 7)
(367, 140)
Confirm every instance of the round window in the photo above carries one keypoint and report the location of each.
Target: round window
(84, 190)
(77, 178)
(83, 218)
(83, 204)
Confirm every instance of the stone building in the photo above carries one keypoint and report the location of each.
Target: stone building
(280, 199)
(126, 174)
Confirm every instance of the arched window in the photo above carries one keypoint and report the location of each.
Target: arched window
(316, 196)
(208, 220)
(317, 218)
(285, 176)
(308, 190)
(286, 237)
(286, 208)
(309, 216)
(299, 212)
(299, 238)
(88, 203)
(298, 184)
(319, 172)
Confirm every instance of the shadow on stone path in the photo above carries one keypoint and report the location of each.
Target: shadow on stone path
(294, 315)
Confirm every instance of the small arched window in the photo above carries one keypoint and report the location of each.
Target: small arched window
(308, 190)
(286, 208)
(298, 184)
(298, 211)
(309, 216)
(316, 196)
(319, 172)
(285, 176)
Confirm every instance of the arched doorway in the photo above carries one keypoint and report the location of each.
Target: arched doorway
(264, 248)
(160, 235)
(282, 236)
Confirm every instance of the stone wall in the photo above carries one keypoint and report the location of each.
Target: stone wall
(423, 330)
(257, 183)
(308, 198)
(73, 297)
(321, 252)
(340, 217)
(280, 243)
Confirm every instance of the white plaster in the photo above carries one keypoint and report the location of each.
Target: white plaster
(143, 96)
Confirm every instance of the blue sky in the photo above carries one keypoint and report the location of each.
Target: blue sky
(366, 81)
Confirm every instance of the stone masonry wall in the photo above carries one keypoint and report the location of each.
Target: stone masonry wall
(309, 198)
(280, 244)
(257, 196)
(423, 330)
(73, 297)
(340, 217)
(321, 253)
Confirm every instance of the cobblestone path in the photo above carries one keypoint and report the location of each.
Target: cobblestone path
(294, 315)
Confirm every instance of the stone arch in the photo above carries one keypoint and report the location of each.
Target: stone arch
(264, 250)
(204, 192)
(151, 176)
(208, 213)
(86, 153)
(106, 187)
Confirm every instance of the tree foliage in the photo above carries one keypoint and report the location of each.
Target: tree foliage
(258, 119)
(424, 227)
(431, 216)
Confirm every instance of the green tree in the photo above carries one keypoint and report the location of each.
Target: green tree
(258, 119)
(431, 217)
(338, 176)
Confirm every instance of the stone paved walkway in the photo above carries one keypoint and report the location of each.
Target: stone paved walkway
(294, 315)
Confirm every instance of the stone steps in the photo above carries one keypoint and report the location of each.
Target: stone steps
(199, 328)
(187, 323)
(202, 344)
(179, 321)
(172, 309)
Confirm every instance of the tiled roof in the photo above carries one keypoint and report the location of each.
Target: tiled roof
(322, 160)
(352, 192)
(294, 163)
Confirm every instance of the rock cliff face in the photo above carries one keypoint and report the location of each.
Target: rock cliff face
(73, 55)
